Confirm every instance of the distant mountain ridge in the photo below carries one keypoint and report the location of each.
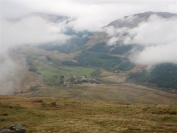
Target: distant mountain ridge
(133, 20)
(48, 17)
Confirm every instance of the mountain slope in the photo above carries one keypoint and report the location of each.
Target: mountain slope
(133, 20)
(72, 115)
(48, 17)
(99, 44)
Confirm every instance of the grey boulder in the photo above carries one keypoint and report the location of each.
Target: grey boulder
(14, 129)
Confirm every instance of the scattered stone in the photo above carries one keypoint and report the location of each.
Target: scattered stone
(7, 131)
(4, 114)
(38, 101)
(53, 103)
(14, 129)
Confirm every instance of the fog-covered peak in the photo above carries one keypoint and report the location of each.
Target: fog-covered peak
(133, 20)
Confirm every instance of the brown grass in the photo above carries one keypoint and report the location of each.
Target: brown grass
(98, 108)
(78, 116)
(118, 79)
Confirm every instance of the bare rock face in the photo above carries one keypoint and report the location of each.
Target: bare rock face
(7, 131)
(14, 129)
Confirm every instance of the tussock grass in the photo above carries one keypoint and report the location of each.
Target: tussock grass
(73, 115)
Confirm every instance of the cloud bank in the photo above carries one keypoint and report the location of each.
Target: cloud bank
(157, 36)
(28, 30)
(90, 14)
(31, 30)
(10, 74)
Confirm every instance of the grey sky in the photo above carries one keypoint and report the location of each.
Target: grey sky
(93, 13)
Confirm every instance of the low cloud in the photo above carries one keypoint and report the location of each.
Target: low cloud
(157, 37)
(113, 41)
(31, 30)
(91, 14)
(153, 55)
(10, 74)
(28, 30)
(115, 34)
(155, 31)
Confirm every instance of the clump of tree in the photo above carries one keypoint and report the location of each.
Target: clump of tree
(71, 63)
(32, 70)
(56, 80)
(100, 47)
(105, 61)
(125, 66)
(164, 75)
(48, 58)
(122, 49)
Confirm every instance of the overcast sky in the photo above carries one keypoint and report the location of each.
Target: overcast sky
(93, 13)
(90, 15)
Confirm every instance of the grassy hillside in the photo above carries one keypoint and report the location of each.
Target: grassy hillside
(44, 67)
(100, 47)
(72, 115)
(67, 71)
(112, 106)
(77, 42)
(122, 49)
(105, 61)
(164, 75)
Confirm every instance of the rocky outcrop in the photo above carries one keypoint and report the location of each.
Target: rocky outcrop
(14, 129)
